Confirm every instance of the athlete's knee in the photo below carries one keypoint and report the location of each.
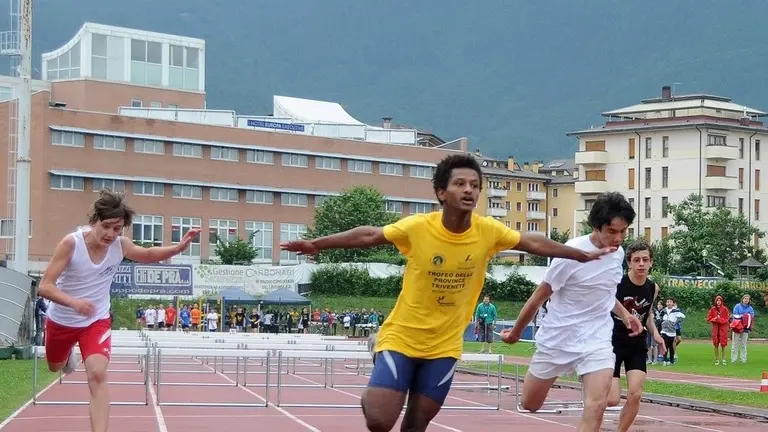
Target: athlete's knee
(55, 367)
(614, 399)
(96, 369)
(377, 417)
(634, 395)
(596, 403)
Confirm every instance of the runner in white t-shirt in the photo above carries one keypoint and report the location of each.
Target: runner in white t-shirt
(213, 321)
(150, 317)
(576, 335)
(78, 280)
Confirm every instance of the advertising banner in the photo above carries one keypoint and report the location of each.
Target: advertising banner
(152, 279)
(210, 279)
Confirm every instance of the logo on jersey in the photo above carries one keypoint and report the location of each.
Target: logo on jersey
(438, 260)
(442, 302)
(635, 306)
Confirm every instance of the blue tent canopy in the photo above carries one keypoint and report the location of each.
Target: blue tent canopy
(233, 295)
(284, 297)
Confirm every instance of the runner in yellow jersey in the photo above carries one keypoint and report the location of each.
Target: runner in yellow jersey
(448, 252)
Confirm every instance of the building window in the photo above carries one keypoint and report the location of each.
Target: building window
(260, 157)
(741, 178)
(223, 229)
(146, 62)
(188, 150)
(136, 103)
(390, 169)
(68, 139)
(588, 204)
(225, 154)
(60, 182)
(155, 105)
(519, 206)
(184, 68)
(533, 187)
(648, 178)
(741, 148)
(631, 148)
(757, 209)
(757, 150)
(66, 65)
(631, 233)
(173, 106)
(414, 208)
(358, 166)
(554, 211)
(395, 207)
(631, 178)
(533, 227)
(260, 235)
(519, 187)
(647, 234)
(187, 192)
(716, 140)
(8, 228)
(326, 163)
(102, 142)
(757, 179)
(648, 147)
(148, 189)
(664, 177)
(554, 193)
(99, 43)
(533, 206)
(259, 197)
(148, 230)
(295, 160)
(290, 232)
(665, 147)
(115, 185)
(664, 207)
(421, 172)
(149, 147)
(632, 202)
(741, 206)
(715, 201)
(218, 194)
(180, 226)
(648, 208)
(319, 200)
(294, 200)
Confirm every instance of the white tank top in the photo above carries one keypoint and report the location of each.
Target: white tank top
(82, 279)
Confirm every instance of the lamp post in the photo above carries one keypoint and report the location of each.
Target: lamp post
(704, 263)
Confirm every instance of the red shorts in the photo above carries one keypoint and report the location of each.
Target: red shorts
(94, 339)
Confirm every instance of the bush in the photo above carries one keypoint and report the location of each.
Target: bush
(703, 297)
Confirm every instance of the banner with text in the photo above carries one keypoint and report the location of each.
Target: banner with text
(210, 279)
(708, 282)
(152, 279)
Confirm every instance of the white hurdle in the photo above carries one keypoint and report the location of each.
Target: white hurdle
(144, 353)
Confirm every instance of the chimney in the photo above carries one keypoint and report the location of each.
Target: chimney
(511, 163)
(666, 92)
(745, 121)
(477, 152)
(387, 123)
(536, 165)
(526, 166)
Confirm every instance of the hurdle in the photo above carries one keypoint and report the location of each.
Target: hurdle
(39, 351)
(237, 354)
(330, 356)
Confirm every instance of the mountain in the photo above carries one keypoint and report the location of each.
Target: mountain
(512, 76)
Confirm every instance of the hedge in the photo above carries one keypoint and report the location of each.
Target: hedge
(343, 281)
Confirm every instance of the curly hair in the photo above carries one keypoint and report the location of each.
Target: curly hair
(442, 175)
(111, 205)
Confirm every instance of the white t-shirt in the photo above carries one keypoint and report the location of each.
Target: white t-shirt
(161, 315)
(213, 319)
(347, 320)
(150, 316)
(584, 294)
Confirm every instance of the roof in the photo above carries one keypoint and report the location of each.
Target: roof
(559, 165)
(751, 263)
(680, 123)
(284, 296)
(684, 102)
(312, 111)
(233, 294)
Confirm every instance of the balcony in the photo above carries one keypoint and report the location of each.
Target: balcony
(536, 196)
(721, 183)
(721, 152)
(535, 215)
(599, 157)
(591, 186)
(497, 212)
(497, 193)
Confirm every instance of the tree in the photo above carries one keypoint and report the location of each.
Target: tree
(558, 236)
(235, 252)
(718, 236)
(358, 206)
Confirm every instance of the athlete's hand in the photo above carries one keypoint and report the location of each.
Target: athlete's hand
(188, 237)
(509, 336)
(591, 256)
(660, 343)
(83, 307)
(633, 324)
(302, 247)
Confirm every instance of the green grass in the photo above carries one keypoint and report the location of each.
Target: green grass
(16, 383)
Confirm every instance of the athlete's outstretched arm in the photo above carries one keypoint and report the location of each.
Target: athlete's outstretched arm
(56, 266)
(540, 245)
(356, 238)
(154, 254)
(539, 296)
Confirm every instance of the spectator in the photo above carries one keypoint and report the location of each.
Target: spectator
(213, 320)
(670, 317)
(150, 317)
(718, 315)
(185, 318)
(160, 317)
(678, 331)
(743, 315)
(139, 318)
(170, 317)
(485, 321)
(40, 310)
(653, 349)
(194, 316)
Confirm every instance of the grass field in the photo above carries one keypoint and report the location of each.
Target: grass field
(16, 383)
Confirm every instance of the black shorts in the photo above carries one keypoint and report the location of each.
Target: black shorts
(632, 354)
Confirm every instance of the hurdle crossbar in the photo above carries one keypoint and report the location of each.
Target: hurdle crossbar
(39, 351)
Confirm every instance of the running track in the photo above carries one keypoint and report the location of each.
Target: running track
(59, 418)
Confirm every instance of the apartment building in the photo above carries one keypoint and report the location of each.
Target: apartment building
(562, 199)
(125, 109)
(661, 150)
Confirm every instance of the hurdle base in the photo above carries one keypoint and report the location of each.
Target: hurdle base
(120, 383)
(64, 403)
(217, 405)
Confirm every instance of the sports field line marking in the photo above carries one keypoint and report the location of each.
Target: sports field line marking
(680, 424)
(284, 412)
(26, 404)
(161, 426)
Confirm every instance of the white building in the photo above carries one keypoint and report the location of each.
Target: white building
(661, 150)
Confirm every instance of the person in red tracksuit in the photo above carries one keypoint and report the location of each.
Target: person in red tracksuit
(719, 315)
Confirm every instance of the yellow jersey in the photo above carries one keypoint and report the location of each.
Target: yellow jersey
(443, 279)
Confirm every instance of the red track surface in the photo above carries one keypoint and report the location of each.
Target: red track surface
(191, 419)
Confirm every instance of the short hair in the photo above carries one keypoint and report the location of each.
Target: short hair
(111, 205)
(608, 206)
(442, 175)
(639, 245)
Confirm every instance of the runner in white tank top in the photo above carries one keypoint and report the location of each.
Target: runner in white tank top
(78, 280)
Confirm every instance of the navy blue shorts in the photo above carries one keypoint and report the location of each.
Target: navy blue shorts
(432, 378)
